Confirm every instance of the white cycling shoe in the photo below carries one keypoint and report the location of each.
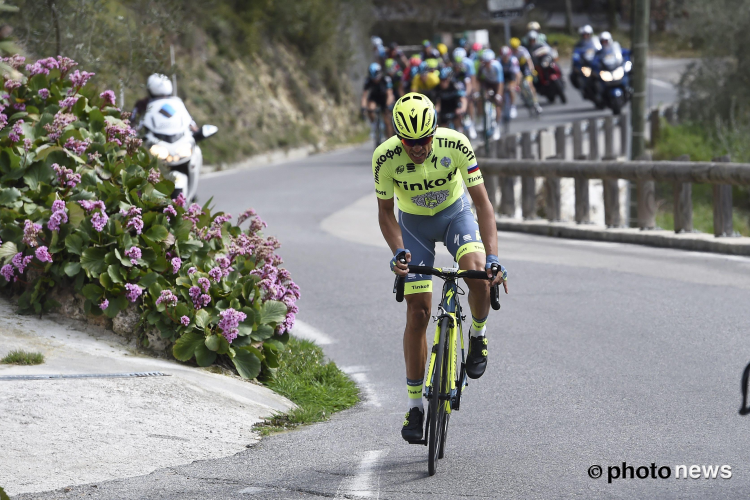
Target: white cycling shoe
(513, 113)
(496, 134)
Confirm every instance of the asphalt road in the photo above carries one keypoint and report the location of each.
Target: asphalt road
(602, 354)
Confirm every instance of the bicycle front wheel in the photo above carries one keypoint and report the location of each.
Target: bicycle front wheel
(438, 400)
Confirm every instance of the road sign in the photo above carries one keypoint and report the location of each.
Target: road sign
(506, 8)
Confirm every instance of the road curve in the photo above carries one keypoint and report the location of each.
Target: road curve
(602, 354)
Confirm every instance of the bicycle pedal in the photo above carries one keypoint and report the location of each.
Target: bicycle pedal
(421, 441)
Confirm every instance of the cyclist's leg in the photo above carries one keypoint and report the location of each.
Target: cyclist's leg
(465, 244)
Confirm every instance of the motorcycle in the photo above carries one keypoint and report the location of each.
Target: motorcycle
(583, 56)
(168, 134)
(611, 79)
(549, 81)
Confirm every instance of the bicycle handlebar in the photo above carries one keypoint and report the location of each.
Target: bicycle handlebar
(398, 287)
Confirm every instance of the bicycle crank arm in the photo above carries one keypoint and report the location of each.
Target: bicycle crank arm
(421, 441)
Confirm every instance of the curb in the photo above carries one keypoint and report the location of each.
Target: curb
(697, 242)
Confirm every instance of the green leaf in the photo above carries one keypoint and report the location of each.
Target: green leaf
(272, 311)
(148, 280)
(202, 318)
(92, 260)
(37, 173)
(262, 333)
(114, 273)
(272, 357)
(74, 243)
(204, 356)
(106, 281)
(165, 187)
(247, 364)
(242, 341)
(182, 231)
(72, 268)
(157, 233)
(185, 347)
(45, 150)
(250, 320)
(245, 328)
(76, 215)
(181, 310)
(7, 251)
(213, 342)
(92, 292)
(8, 196)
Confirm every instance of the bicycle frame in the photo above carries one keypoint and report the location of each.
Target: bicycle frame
(449, 308)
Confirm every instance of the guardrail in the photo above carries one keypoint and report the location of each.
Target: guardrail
(503, 166)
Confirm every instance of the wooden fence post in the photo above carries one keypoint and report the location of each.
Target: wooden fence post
(723, 206)
(528, 183)
(683, 204)
(581, 184)
(593, 139)
(624, 123)
(669, 113)
(610, 187)
(552, 184)
(655, 123)
(646, 194)
(507, 183)
(491, 182)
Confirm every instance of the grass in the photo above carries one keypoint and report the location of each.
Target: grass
(314, 384)
(20, 357)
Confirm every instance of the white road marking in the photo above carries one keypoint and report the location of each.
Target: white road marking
(371, 398)
(660, 83)
(365, 483)
(305, 331)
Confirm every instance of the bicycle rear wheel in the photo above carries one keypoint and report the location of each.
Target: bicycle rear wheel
(446, 390)
(437, 411)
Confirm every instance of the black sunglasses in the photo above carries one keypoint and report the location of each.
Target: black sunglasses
(424, 141)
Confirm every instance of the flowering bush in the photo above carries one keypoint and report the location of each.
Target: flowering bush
(83, 206)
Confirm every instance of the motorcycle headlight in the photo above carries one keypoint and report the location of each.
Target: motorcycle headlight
(180, 180)
(185, 150)
(606, 76)
(628, 66)
(586, 71)
(545, 63)
(618, 73)
(159, 151)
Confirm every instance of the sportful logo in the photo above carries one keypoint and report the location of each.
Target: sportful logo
(430, 200)
(446, 162)
(445, 143)
(400, 169)
(467, 237)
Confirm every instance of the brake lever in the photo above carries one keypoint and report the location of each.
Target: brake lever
(398, 284)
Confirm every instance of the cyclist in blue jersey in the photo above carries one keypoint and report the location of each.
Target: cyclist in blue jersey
(490, 77)
(463, 68)
(512, 77)
(377, 96)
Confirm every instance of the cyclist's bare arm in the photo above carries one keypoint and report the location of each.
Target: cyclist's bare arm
(364, 98)
(392, 232)
(389, 100)
(487, 225)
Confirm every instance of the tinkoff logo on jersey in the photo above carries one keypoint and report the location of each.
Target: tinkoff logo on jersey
(430, 200)
(388, 155)
(424, 184)
(445, 143)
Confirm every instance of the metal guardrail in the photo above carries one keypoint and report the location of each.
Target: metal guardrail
(503, 165)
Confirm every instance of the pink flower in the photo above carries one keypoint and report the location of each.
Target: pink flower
(179, 201)
(44, 93)
(30, 232)
(65, 64)
(104, 304)
(185, 321)
(170, 212)
(27, 144)
(7, 271)
(59, 215)
(16, 132)
(134, 253)
(20, 262)
(11, 85)
(204, 284)
(78, 147)
(108, 98)
(168, 298)
(246, 215)
(79, 78)
(153, 176)
(215, 274)
(61, 120)
(133, 292)
(43, 254)
(192, 271)
(230, 320)
(66, 177)
(176, 265)
(68, 102)
(15, 61)
(99, 220)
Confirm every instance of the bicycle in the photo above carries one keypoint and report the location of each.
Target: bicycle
(443, 387)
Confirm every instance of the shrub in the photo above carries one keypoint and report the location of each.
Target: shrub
(84, 207)
(20, 357)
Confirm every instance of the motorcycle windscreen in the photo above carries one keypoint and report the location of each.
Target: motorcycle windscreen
(167, 116)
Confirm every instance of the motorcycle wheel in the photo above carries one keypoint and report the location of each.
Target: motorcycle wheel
(560, 91)
(617, 106)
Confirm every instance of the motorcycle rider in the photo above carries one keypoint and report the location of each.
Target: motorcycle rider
(540, 37)
(158, 86)
(588, 41)
(378, 93)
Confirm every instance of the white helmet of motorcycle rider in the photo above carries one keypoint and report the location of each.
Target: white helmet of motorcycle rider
(159, 85)
(605, 38)
(586, 30)
(533, 26)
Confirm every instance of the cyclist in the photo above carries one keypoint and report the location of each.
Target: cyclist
(536, 28)
(412, 69)
(428, 51)
(443, 51)
(396, 74)
(395, 53)
(490, 77)
(527, 69)
(512, 78)
(427, 79)
(450, 100)
(463, 67)
(377, 96)
(423, 166)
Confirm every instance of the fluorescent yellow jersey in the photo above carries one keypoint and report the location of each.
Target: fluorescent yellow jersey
(434, 185)
(432, 81)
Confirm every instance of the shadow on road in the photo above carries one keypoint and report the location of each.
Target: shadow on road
(743, 387)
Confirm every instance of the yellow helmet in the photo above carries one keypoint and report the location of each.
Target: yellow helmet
(442, 48)
(515, 43)
(414, 116)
